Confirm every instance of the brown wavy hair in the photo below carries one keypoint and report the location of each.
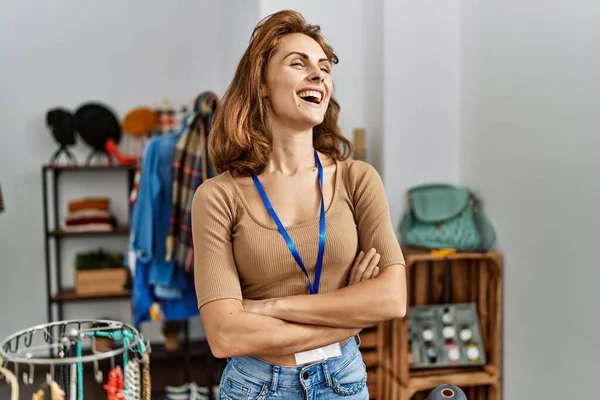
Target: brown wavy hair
(240, 140)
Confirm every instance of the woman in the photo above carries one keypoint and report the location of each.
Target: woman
(280, 286)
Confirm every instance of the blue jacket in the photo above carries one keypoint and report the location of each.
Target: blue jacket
(157, 280)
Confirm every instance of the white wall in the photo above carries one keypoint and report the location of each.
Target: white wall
(530, 145)
(64, 53)
(237, 19)
(420, 95)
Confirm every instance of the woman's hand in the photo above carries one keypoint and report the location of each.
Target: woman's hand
(365, 267)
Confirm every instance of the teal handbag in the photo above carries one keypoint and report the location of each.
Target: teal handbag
(445, 216)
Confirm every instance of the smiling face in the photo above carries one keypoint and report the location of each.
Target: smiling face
(298, 83)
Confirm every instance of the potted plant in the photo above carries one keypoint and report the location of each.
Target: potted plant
(172, 333)
(100, 273)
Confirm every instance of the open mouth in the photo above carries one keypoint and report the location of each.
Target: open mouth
(311, 96)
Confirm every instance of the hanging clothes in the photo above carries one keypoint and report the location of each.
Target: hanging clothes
(155, 279)
(190, 168)
(168, 120)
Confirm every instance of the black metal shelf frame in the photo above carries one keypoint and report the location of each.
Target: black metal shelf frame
(52, 173)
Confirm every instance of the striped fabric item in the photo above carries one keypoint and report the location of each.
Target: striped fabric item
(190, 169)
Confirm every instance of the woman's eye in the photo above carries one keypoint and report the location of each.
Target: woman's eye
(300, 64)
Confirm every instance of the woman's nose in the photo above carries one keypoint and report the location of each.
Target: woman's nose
(317, 75)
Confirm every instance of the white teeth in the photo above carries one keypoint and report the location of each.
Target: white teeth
(310, 93)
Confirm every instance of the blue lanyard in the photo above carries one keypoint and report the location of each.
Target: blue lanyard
(314, 287)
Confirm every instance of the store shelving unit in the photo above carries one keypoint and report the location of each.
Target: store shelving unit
(457, 278)
(57, 294)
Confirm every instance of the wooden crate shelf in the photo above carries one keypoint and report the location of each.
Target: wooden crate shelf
(460, 379)
(368, 339)
(458, 278)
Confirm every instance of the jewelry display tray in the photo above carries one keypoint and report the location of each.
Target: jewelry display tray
(446, 343)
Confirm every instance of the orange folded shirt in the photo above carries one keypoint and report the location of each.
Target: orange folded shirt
(99, 203)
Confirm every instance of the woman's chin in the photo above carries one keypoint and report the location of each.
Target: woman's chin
(313, 119)
(305, 122)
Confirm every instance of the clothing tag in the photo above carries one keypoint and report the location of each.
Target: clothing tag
(317, 355)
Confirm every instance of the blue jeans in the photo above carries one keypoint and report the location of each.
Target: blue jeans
(344, 377)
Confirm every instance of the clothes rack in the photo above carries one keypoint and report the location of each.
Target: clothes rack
(160, 255)
(60, 346)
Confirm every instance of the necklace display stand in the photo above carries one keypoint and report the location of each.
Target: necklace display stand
(65, 348)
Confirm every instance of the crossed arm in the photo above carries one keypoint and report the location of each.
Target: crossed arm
(232, 331)
(293, 324)
(360, 305)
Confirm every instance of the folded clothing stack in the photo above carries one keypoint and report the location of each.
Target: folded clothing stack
(90, 214)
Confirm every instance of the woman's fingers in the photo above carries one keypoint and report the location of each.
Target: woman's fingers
(370, 273)
(365, 263)
(360, 265)
(357, 261)
(370, 268)
(365, 266)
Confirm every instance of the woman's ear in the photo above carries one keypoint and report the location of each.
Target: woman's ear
(263, 90)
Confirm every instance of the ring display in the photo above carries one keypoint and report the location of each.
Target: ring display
(445, 335)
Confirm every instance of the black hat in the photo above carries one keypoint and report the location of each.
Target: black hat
(62, 126)
(96, 124)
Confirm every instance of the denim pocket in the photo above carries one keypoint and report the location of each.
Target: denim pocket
(238, 386)
(233, 390)
(351, 379)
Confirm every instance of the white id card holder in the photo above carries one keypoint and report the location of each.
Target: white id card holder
(317, 355)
